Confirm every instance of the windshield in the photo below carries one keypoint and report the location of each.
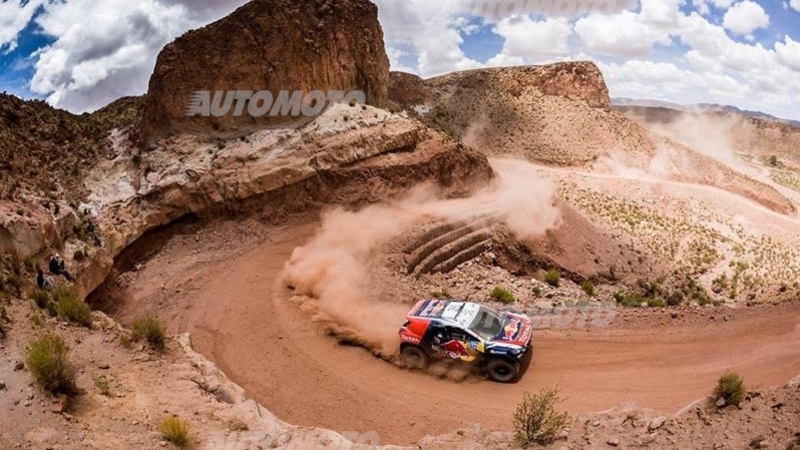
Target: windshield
(487, 324)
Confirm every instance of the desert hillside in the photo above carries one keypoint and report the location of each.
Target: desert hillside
(246, 277)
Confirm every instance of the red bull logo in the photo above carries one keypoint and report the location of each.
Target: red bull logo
(511, 330)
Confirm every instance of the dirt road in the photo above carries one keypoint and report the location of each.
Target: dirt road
(243, 318)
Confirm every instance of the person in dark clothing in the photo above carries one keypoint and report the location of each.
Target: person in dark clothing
(90, 227)
(58, 267)
(42, 281)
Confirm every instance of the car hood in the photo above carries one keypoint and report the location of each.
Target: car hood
(517, 330)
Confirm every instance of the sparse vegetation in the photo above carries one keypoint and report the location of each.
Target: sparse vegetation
(46, 358)
(78, 255)
(629, 300)
(536, 291)
(37, 320)
(553, 277)
(730, 387)
(175, 430)
(773, 161)
(151, 330)
(536, 419)
(72, 308)
(588, 288)
(40, 297)
(503, 295)
(101, 383)
(13, 281)
(441, 294)
(4, 320)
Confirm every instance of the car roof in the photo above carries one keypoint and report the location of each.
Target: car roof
(454, 312)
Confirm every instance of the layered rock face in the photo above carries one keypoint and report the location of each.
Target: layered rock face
(554, 114)
(349, 155)
(271, 45)
(576, 80)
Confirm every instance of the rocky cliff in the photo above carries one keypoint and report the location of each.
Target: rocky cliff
(555, 114)
(269, 45)
(348, 155)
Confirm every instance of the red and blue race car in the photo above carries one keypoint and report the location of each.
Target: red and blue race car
(500, 342)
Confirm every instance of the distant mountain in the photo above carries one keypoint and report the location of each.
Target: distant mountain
(699, 107)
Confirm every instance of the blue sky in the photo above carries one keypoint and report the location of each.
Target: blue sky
(82, 54)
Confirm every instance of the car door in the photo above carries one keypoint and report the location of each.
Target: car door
(452, 342)
(469, 346)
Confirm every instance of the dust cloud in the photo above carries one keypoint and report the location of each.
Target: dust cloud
(710, 135)
(334, 268)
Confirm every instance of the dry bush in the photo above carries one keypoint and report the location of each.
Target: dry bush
(730, 386)
(174, 429)
(536, 419)
(46, 358)
(151, 330)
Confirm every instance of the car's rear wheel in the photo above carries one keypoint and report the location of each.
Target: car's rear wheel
(413, 357)
(502, 370)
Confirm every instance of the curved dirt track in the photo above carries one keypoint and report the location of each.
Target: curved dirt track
(243, 318)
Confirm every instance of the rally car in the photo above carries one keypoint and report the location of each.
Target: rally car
(499, 343)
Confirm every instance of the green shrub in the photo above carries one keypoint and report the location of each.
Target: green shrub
(676, 298)
(101, 383)
(588, 288)
(536, 291)
(174, 429)
(553, 277)
(655, 303)
(151, 330)
(70, 307)
(4, 319)
(536, 419)
(13, 280)
(629, 300)
(78, 255)
(40, 297)
(37, 320)
(503, 295)
(730, 386)
(47, 361)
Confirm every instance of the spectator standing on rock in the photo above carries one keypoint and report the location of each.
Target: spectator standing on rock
(58, 267)
(42, 281)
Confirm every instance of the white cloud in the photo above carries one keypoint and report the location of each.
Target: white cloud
(703, 6)
(789, 52)
(629, 33)
(433, 29)
(795, 4)
(622, 34)
(532, 40)
(106, 50)
(14, 17)
(745, 17)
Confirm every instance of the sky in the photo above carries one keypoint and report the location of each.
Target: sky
(82, 54)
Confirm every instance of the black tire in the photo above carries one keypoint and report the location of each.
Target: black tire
(413, 357)
(502, 370)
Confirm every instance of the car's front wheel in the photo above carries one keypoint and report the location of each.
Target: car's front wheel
(413, 357)
(502, 370)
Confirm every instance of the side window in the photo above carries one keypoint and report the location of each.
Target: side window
(460, 335)
(438, 334)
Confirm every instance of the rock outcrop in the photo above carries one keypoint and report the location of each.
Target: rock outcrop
(577, 80)
(271, 45)
(554, 114)
(349, 155)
